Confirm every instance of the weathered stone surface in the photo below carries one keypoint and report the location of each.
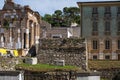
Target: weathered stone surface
(59, 62)
(70, 50)
(32, 61)
(8, 64)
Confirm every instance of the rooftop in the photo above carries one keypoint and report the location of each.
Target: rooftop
(99, 1)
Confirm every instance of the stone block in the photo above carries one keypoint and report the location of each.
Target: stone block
(32, 61)
(59, 62)
(88, 76)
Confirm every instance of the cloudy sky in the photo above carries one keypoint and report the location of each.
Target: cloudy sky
(47, 6)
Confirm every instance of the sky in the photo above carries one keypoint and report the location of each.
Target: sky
(48, 6)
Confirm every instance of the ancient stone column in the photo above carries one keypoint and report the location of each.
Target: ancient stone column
(38, 32)
(18, 39)
(32, 34)
(2, 41)
(27, 35)
(37, 35)
(27, 38)
(10, 41)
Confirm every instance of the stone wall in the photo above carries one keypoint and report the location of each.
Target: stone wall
(8, 64)
(109, 74)
(52, 75)
(70, 50)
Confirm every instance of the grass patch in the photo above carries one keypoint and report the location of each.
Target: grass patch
(45, 67)
(103, 64)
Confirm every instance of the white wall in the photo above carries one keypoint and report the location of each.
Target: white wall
(89, 78)
(93, 77)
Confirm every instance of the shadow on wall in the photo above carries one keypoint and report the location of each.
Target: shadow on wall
(32, 51)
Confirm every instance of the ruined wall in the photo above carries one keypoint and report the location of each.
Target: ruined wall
(70, 50)
(8, 64)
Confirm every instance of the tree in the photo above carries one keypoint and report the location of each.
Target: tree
(48, 18)
(64, 18)
(57, 18)
(71, 15)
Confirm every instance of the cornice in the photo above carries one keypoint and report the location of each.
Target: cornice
(103, 3)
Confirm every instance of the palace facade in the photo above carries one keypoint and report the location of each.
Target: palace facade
(100, 26)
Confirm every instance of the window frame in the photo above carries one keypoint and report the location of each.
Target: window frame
(107, 44)
(118, 26)
(94, 10)
(118, 10)
(118, 44)
(95, 26)
(107, 26)
(95, 57)
(95, 44)
(107, 9)
(107, 57)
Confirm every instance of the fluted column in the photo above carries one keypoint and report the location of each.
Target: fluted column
(27, 35)
(18, 39)
(27, 38)
(32, 34)
(37, 35)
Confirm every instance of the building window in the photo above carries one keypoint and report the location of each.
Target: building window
(95, 44)
(107, 26)
(95, 13)
(94, 57)
(95, 10)
(107, 44)
(107, 9)
(107, 14)
(95, 26)
(118, 26)
(107, 57)
(118, 44)
(118, 10)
